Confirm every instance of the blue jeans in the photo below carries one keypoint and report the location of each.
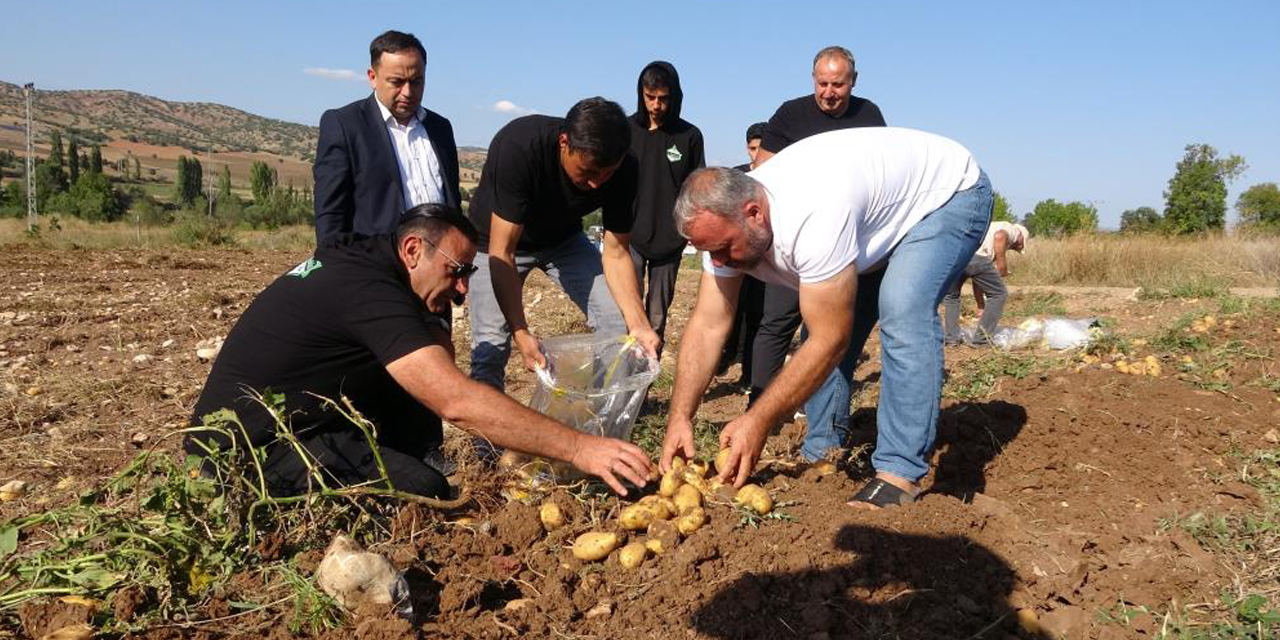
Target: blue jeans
(574, 265)
(903, 298)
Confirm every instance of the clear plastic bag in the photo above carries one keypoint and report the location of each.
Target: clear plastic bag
(594, 384)
(1051, 333)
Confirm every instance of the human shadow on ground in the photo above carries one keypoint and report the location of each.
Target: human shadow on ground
(970, 436)
(897, 586)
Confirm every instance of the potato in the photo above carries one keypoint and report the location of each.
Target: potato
(677, 465)
(755, 497)
(632, 555)
(594, 545)
(824, 467)
(551, 516)
(691, 476)
(669, 483)
(691, 520)
(699, 467)
(663, 536)
(662, 508)
(687, 497)
(722, 459)
(636, 516)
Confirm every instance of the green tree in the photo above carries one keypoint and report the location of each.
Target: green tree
(55, 173)
(73, 157)
(46, 180)
(187, 185)
(95, 159)
(1259, 206)
(93, 198)
(224, 183)
(1000, 209)
(1196, 199)
(262, 181)
(137, 169)
(1055, 219)
(1140, 220)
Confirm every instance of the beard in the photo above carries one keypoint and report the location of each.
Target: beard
(759, 243)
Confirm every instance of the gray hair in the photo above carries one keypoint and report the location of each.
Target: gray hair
(834, 52)
(716, 190)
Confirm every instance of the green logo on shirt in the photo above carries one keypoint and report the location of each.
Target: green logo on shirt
(303, 270)
(673, 154)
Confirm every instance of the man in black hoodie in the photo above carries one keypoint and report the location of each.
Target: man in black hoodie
(668, 149)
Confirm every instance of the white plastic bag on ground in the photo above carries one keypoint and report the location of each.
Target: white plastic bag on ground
(1065, 333)
(1052, 333)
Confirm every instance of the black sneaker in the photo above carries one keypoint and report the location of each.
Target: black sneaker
(436, 459)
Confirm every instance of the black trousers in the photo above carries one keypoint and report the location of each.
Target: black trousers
(661, 287)
(746, 323)
(778, 324)
(345, 458)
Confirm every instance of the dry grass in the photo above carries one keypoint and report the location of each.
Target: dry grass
(76, 233)
(1153, 262)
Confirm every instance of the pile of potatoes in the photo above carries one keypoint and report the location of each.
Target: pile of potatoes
(676, 511)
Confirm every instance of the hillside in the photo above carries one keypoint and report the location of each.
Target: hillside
(158, 131)
(105, 115)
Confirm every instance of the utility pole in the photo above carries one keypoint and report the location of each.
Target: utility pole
(208, 189)
(27, 89)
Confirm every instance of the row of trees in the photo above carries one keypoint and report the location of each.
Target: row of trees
(1195, 202)
(71, 181)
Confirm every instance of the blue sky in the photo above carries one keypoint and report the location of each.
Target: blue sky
(1090, 101)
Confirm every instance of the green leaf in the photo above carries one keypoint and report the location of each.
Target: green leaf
(95, 578)
(8, 541)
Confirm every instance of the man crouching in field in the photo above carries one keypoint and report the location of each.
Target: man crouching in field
(366, 318)
(869, 225)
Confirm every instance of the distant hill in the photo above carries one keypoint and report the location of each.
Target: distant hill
(105, 115)
(157, 130)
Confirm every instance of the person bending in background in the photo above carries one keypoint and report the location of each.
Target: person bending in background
(988, 269)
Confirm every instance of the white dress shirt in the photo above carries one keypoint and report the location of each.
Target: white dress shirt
(420, 175)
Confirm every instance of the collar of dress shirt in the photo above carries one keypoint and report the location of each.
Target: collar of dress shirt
(390, 119)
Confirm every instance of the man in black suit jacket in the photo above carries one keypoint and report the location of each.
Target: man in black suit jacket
(385, 154)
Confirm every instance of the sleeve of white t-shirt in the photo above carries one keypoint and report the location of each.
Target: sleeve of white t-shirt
(823, 245)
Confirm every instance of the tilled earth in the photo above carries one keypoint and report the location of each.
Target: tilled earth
(1049, 504)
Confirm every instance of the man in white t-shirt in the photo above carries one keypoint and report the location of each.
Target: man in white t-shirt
(987, 270)
(869, 225)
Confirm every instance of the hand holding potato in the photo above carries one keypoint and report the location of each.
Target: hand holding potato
(608, 458)
(745, 438)
(678, 441)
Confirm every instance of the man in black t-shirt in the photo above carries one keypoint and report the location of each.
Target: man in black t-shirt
(831, 107)
(541, 177)
(668, 149)
(366, 319)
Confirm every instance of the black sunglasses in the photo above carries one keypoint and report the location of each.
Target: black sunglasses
(459, 270)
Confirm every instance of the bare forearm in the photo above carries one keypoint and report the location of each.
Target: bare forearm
(620, 275)
(506, 288)
(484, 411)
